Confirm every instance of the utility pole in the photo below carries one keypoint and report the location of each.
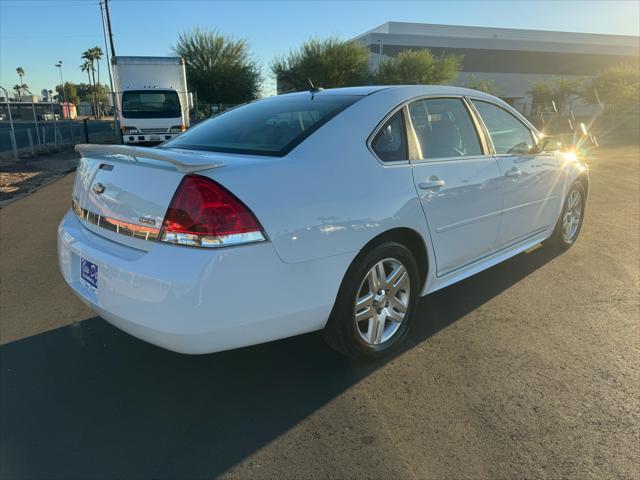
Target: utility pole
(55, 122)
(64, 91)
(12, 132)
(106, 25)
(35, 119)
(106, 8)
(66, 102)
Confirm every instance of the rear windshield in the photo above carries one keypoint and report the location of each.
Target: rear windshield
(267, 127)
(146, 104)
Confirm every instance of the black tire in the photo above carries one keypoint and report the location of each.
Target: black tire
(557, 239)
(342, 332)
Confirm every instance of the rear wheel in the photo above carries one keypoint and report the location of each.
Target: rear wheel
(570, 222)
(376, 303)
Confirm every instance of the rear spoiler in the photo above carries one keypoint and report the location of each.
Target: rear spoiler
(183, 161)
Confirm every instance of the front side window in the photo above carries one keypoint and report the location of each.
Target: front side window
(390, 143)
(148, 104)
(508, 134)
(269, 127)
(444, 128)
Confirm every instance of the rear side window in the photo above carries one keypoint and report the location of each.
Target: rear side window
(390, 143)
(508, 134)
(444, 128)
(267, 127)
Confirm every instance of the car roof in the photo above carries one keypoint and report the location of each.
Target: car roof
(409, 90)
(355, 91)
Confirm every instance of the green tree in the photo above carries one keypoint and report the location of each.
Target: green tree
(328, 63)
(72, 92)
(541, 95)
(617, 88)
(560, 91)
(220, 69)
(486, 85)
(419, 67)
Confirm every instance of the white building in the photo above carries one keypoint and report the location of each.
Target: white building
(513, 58)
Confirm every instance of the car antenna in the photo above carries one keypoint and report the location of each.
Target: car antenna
(313, 88)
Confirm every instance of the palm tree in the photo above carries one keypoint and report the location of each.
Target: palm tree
(94, 55)
(87, 66)
(21, 89)
(20, 72)
(97, 55)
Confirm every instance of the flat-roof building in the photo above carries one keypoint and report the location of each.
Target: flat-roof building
(513, 58)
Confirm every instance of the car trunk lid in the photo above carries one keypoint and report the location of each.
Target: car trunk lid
(123, 192)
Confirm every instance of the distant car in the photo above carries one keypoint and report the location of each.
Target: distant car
(48, 116)
(3, 116)
(327, 210)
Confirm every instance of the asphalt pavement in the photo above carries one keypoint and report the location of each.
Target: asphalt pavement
(527, 370)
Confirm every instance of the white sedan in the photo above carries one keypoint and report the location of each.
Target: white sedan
(328, 210)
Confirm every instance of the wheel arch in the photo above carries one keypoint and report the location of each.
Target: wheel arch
(583, 178)
(411, 239)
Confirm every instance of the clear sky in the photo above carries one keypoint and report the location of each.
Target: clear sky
(35, 34)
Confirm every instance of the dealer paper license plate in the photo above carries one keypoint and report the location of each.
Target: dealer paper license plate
(89, 274)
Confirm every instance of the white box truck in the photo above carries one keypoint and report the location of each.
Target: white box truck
(151, 98)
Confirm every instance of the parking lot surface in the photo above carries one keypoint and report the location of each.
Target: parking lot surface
(527, 370)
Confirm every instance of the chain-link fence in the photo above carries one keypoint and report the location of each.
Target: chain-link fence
(33, 138)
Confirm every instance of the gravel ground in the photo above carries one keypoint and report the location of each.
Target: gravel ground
(527, 370)
(23, 177)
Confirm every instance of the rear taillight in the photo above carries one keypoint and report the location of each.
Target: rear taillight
(204, 214)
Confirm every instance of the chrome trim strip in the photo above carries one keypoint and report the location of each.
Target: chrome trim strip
(152, 234)
(190, 240)
(133, 230)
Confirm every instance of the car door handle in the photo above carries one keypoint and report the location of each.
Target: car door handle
(431, 183)
(514, 172)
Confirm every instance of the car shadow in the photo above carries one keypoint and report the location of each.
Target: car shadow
(90, 399)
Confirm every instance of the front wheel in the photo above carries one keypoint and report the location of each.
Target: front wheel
(376, 303)
(570, 222)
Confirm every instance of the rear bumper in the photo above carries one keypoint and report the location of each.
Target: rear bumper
(193, 300)
(144, 138)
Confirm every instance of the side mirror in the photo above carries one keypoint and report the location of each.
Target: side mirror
(548, 144)
(524, 148)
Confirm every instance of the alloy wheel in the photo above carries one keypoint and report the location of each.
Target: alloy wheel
(382, 301)
(572, 216)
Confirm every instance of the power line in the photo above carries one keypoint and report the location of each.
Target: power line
(21, 37)
(46, 5)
